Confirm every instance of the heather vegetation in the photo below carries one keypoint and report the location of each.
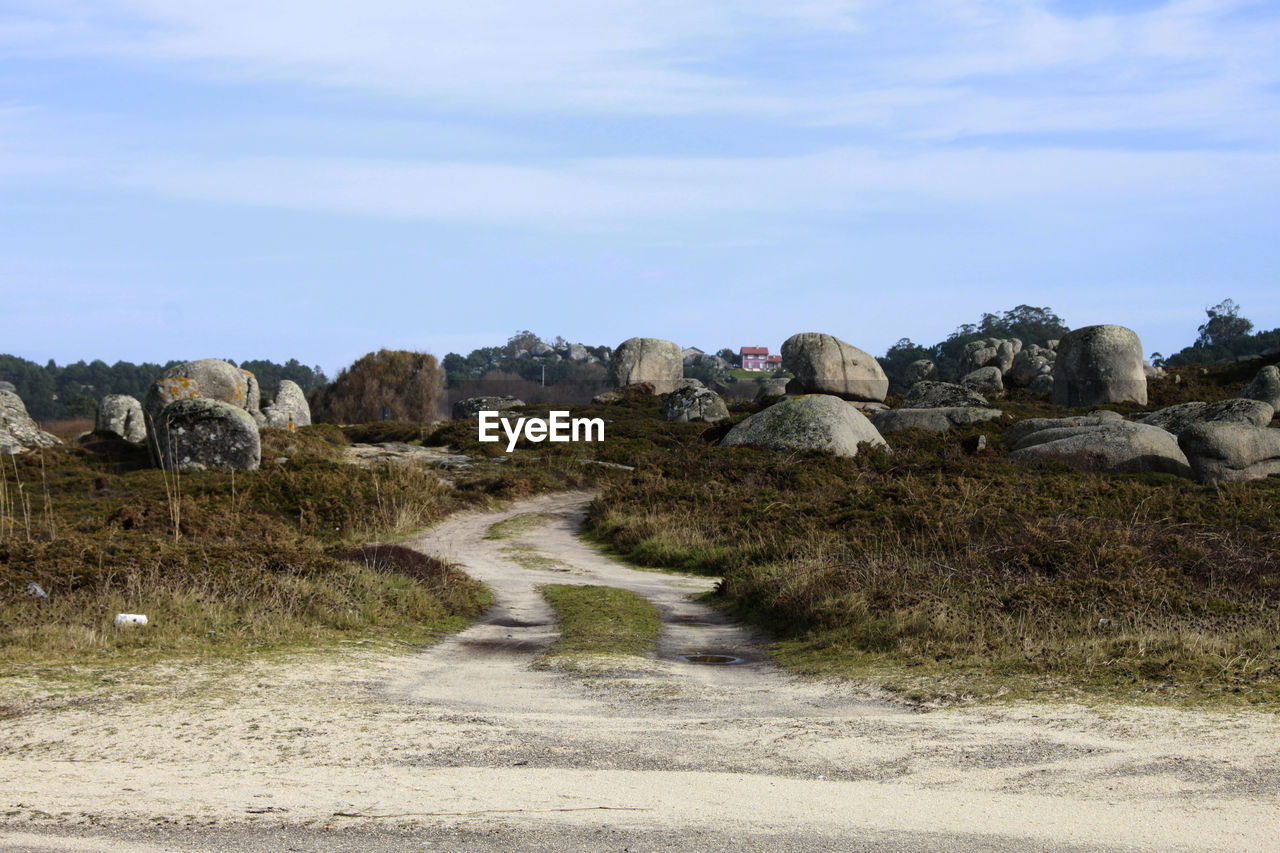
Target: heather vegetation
(942, 573)
(223, 562)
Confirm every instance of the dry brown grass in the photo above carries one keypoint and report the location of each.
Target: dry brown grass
(945, 573)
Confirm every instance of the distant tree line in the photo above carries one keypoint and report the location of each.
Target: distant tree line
(52, 392)
(519, 357)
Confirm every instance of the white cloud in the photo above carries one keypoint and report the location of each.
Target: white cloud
(896, 67)
(604, 193)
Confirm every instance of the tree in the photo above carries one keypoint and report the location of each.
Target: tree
(899, 357)
(729, 356)
(384, 385)
(1224, 324)
(525, 340)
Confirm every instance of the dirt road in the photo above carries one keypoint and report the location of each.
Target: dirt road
(468, 746)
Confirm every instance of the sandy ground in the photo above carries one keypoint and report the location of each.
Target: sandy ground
(469, 746)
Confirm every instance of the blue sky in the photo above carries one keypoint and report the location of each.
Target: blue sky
(315, 179)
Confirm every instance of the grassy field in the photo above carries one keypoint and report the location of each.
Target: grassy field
(942, 574)
(225, 563)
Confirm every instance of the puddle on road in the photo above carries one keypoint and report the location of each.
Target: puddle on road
(714, 660)
(511, 622)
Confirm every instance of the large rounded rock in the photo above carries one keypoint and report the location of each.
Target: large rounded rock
(823, 364)
(694, 404)
(988, 381)
(811, 422)
(18, 432)
(657, 362)
(938, 395)
(1180, 418)
(1099, 364)
(202, 433)
(209, 378)
(1265, 387)
(122, 415)
(290, 409)
(921, 370)
(1098, 443)
(1231, 453)
(931, 420)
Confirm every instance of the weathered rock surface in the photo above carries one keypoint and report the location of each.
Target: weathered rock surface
(1265, 387)
(1231, 453)
(209, 378)
(253, 393)
(771, 387)
(650, 360)
(823, 364)
(1016, 432)
(203, 433)
(921, 370)
(933, 420)
(290, 409)
(988, 381)
(1042, 385)
(18, 432)
(473, 406)
(936, 395)
(1030, 362)
(991, 352)
(122, 414)
(694, 404)
(630, 392)
(811, 422)
(1098, 443)
(1099, 364)
(1178, 419)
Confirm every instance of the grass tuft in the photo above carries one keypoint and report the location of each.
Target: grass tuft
(600, 620)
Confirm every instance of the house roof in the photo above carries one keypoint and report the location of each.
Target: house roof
(754, 351)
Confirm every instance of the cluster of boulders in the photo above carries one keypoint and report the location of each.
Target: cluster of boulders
(197, 414)
(563, 352)
(992, 365)
(207, 414)
(835, 402)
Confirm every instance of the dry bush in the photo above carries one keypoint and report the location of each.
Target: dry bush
(405, 384)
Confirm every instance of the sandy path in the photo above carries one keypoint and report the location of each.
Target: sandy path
(680, 755)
